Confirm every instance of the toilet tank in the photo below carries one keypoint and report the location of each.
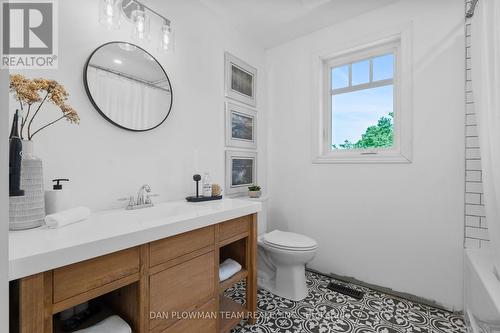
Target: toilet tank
(262, 215)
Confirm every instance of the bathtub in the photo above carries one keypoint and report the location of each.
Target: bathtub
(482, 292)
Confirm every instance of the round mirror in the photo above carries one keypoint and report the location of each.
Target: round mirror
(128, 86)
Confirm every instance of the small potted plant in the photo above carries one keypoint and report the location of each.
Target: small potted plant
(254, 191)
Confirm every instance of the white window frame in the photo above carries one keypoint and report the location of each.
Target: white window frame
(401, 151)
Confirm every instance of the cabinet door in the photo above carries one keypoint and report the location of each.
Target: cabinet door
(203, 320)
(181, 288)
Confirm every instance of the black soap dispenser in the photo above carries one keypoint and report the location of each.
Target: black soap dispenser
(15, 159)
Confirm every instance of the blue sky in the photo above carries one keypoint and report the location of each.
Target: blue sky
(354, 112)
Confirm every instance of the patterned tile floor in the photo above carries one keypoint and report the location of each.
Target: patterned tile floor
(325, 311)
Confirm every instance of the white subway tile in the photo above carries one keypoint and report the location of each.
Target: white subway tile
(471, 130)
(478, 233)
(473, 176)
(470, 108)
(470, 119)
(483, 222)
(473, 187)
(485, 244)
(475, 210)
(473, 165)
(471, 243)
(472, 142)
(473, 221)
(472, 153)
(468, 87)
(469, 97)
(473, 198)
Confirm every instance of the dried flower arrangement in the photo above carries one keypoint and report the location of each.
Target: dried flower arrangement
(29, 92)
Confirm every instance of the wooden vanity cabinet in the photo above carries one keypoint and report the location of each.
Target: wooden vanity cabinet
(166, 286)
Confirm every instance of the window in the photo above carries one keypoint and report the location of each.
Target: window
(365, 116)
(362, 104)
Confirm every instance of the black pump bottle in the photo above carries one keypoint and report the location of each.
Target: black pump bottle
(15, 157)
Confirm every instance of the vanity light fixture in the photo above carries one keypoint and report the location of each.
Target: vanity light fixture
(140, 15)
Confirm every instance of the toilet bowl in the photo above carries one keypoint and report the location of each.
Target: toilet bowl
(282, 257)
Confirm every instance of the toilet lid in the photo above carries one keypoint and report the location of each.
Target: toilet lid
(289, 240)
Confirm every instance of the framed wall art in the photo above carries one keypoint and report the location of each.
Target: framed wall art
(241, 126)
(241, 80)
(241, 171)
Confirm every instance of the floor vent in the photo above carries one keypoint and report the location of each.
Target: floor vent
(356, 294)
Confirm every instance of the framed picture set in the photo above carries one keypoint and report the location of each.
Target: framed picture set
(241, 126)
(241, 171)
(241, 80)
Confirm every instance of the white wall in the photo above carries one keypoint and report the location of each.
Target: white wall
(4, 206)
(104, 162)
(397, 226)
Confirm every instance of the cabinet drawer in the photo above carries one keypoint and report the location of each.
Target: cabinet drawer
(234, 227)
(181, 288)
(173, 247)
(203, 320)
(78, 278)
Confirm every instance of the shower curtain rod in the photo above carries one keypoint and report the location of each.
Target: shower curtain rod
(472, 8)
(130, 77)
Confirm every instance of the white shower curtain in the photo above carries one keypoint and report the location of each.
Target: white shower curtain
(486, 89)
(129, 103)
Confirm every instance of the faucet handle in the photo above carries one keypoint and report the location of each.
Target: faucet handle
(131, 200)
(148, 198)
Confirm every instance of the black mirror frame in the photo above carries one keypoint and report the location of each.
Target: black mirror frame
(87, 90)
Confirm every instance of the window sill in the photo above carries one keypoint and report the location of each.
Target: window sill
(361, 158)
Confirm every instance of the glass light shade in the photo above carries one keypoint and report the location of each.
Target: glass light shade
(141, 24)
(109, 13)
(166, 38)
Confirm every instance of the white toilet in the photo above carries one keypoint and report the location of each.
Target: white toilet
(282, 257)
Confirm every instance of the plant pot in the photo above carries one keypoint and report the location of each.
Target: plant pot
(28, 211)
(254, 194)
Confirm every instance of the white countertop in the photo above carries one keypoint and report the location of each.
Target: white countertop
(39, 250)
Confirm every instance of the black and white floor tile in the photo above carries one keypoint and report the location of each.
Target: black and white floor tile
(325, 311)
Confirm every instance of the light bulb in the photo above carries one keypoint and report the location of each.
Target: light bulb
(109, 9)
(109, 15)
(166, 39)
(141, 24)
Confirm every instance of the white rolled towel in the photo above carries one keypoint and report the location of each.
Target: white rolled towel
(228, 268)
(66, 217)
(112, 324)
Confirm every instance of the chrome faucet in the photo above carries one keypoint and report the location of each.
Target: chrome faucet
(143, 199)
(143, 196)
